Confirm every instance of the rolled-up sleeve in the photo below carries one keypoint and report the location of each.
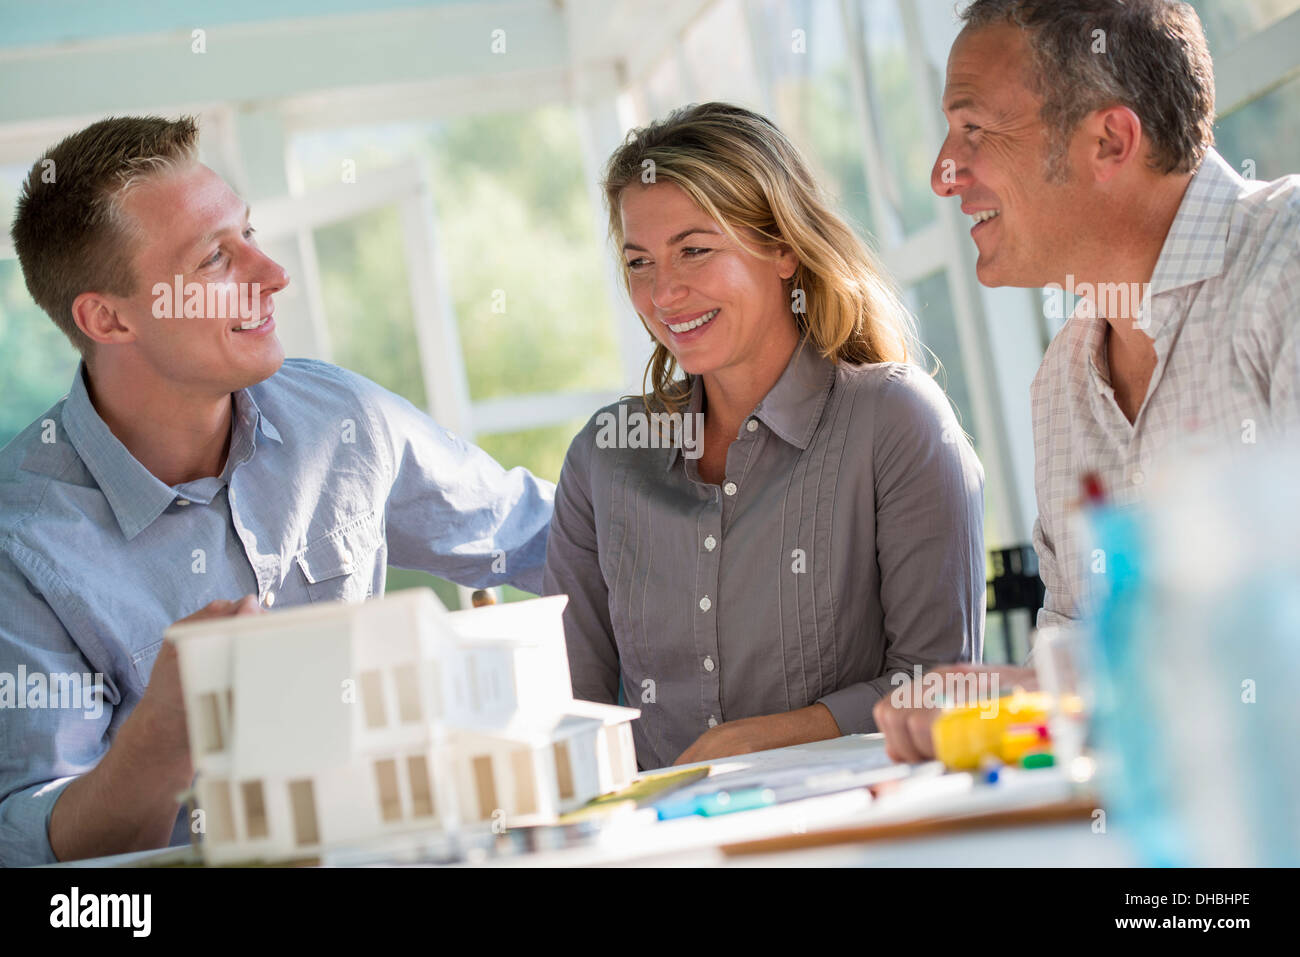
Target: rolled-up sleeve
(573, 569)
(46, 740)
(929, 506)
(1058, 608)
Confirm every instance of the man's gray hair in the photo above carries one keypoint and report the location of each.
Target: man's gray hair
(1147, 55)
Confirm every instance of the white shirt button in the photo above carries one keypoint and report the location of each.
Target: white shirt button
(752, 424)
(730, 488)
(713, 722)
(182, 501)
(1138, 478)
(708, 664)
(705, 604)
(269, 599)
(710, 543)
(347, 561)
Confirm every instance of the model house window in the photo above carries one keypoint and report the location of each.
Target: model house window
(254, 809)
(435, 682)
(372, 699)
(210, 737)
(219, 823)
(486, 785)
(521, 762)
(458, 689)
(302, 802)
(417, 769)
(408, 694)
(390, 799)
(471, 667)
(563, 769)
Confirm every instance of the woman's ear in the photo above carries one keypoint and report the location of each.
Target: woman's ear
(787, 263)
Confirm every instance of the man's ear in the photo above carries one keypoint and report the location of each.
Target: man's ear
(97, 316)
(1114, 140)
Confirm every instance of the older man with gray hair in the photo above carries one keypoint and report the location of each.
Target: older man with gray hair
(1079, 141)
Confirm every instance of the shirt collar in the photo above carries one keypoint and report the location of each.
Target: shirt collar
(1194, 248)
(1197, 242)
(135, 494)
(251, 416)
(793, 407)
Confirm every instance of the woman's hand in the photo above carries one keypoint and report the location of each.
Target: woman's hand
(746, 735)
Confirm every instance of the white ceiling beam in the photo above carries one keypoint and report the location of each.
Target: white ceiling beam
(259, 62)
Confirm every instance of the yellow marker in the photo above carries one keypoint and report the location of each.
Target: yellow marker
(640, 791)
(962, 736)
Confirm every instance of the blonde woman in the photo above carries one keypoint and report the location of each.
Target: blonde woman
(761, 587)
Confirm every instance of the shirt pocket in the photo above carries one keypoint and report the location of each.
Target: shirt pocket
(340, 566)
(143, 661)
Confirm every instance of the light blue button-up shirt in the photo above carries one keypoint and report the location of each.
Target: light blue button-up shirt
(330, 479)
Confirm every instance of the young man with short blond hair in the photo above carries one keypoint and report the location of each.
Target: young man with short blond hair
(191, 464)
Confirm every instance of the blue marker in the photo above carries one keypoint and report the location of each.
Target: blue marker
(728, 802)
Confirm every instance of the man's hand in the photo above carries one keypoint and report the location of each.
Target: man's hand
(747, 735)
(162, 707)
(127, 802)
(906, 714)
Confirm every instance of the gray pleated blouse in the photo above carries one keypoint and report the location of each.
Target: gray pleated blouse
(844, 545)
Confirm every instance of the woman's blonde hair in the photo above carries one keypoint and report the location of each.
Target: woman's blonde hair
(744, 173)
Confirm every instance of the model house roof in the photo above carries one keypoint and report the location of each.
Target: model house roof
(500, 671)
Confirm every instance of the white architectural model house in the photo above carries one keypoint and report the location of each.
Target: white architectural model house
(335, 725)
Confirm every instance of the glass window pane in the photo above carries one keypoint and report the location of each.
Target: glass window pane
(810, 88)
(36, 360)
(719, 56)
(399, 578)
(1262, 138)
(367, 301)
(1228, 22)
(663, 89)
(930, 301)
(527, 269)
(894, 109)
(517, 234)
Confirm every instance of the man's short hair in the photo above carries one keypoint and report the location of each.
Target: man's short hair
(1147, 55)
(70, 231)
